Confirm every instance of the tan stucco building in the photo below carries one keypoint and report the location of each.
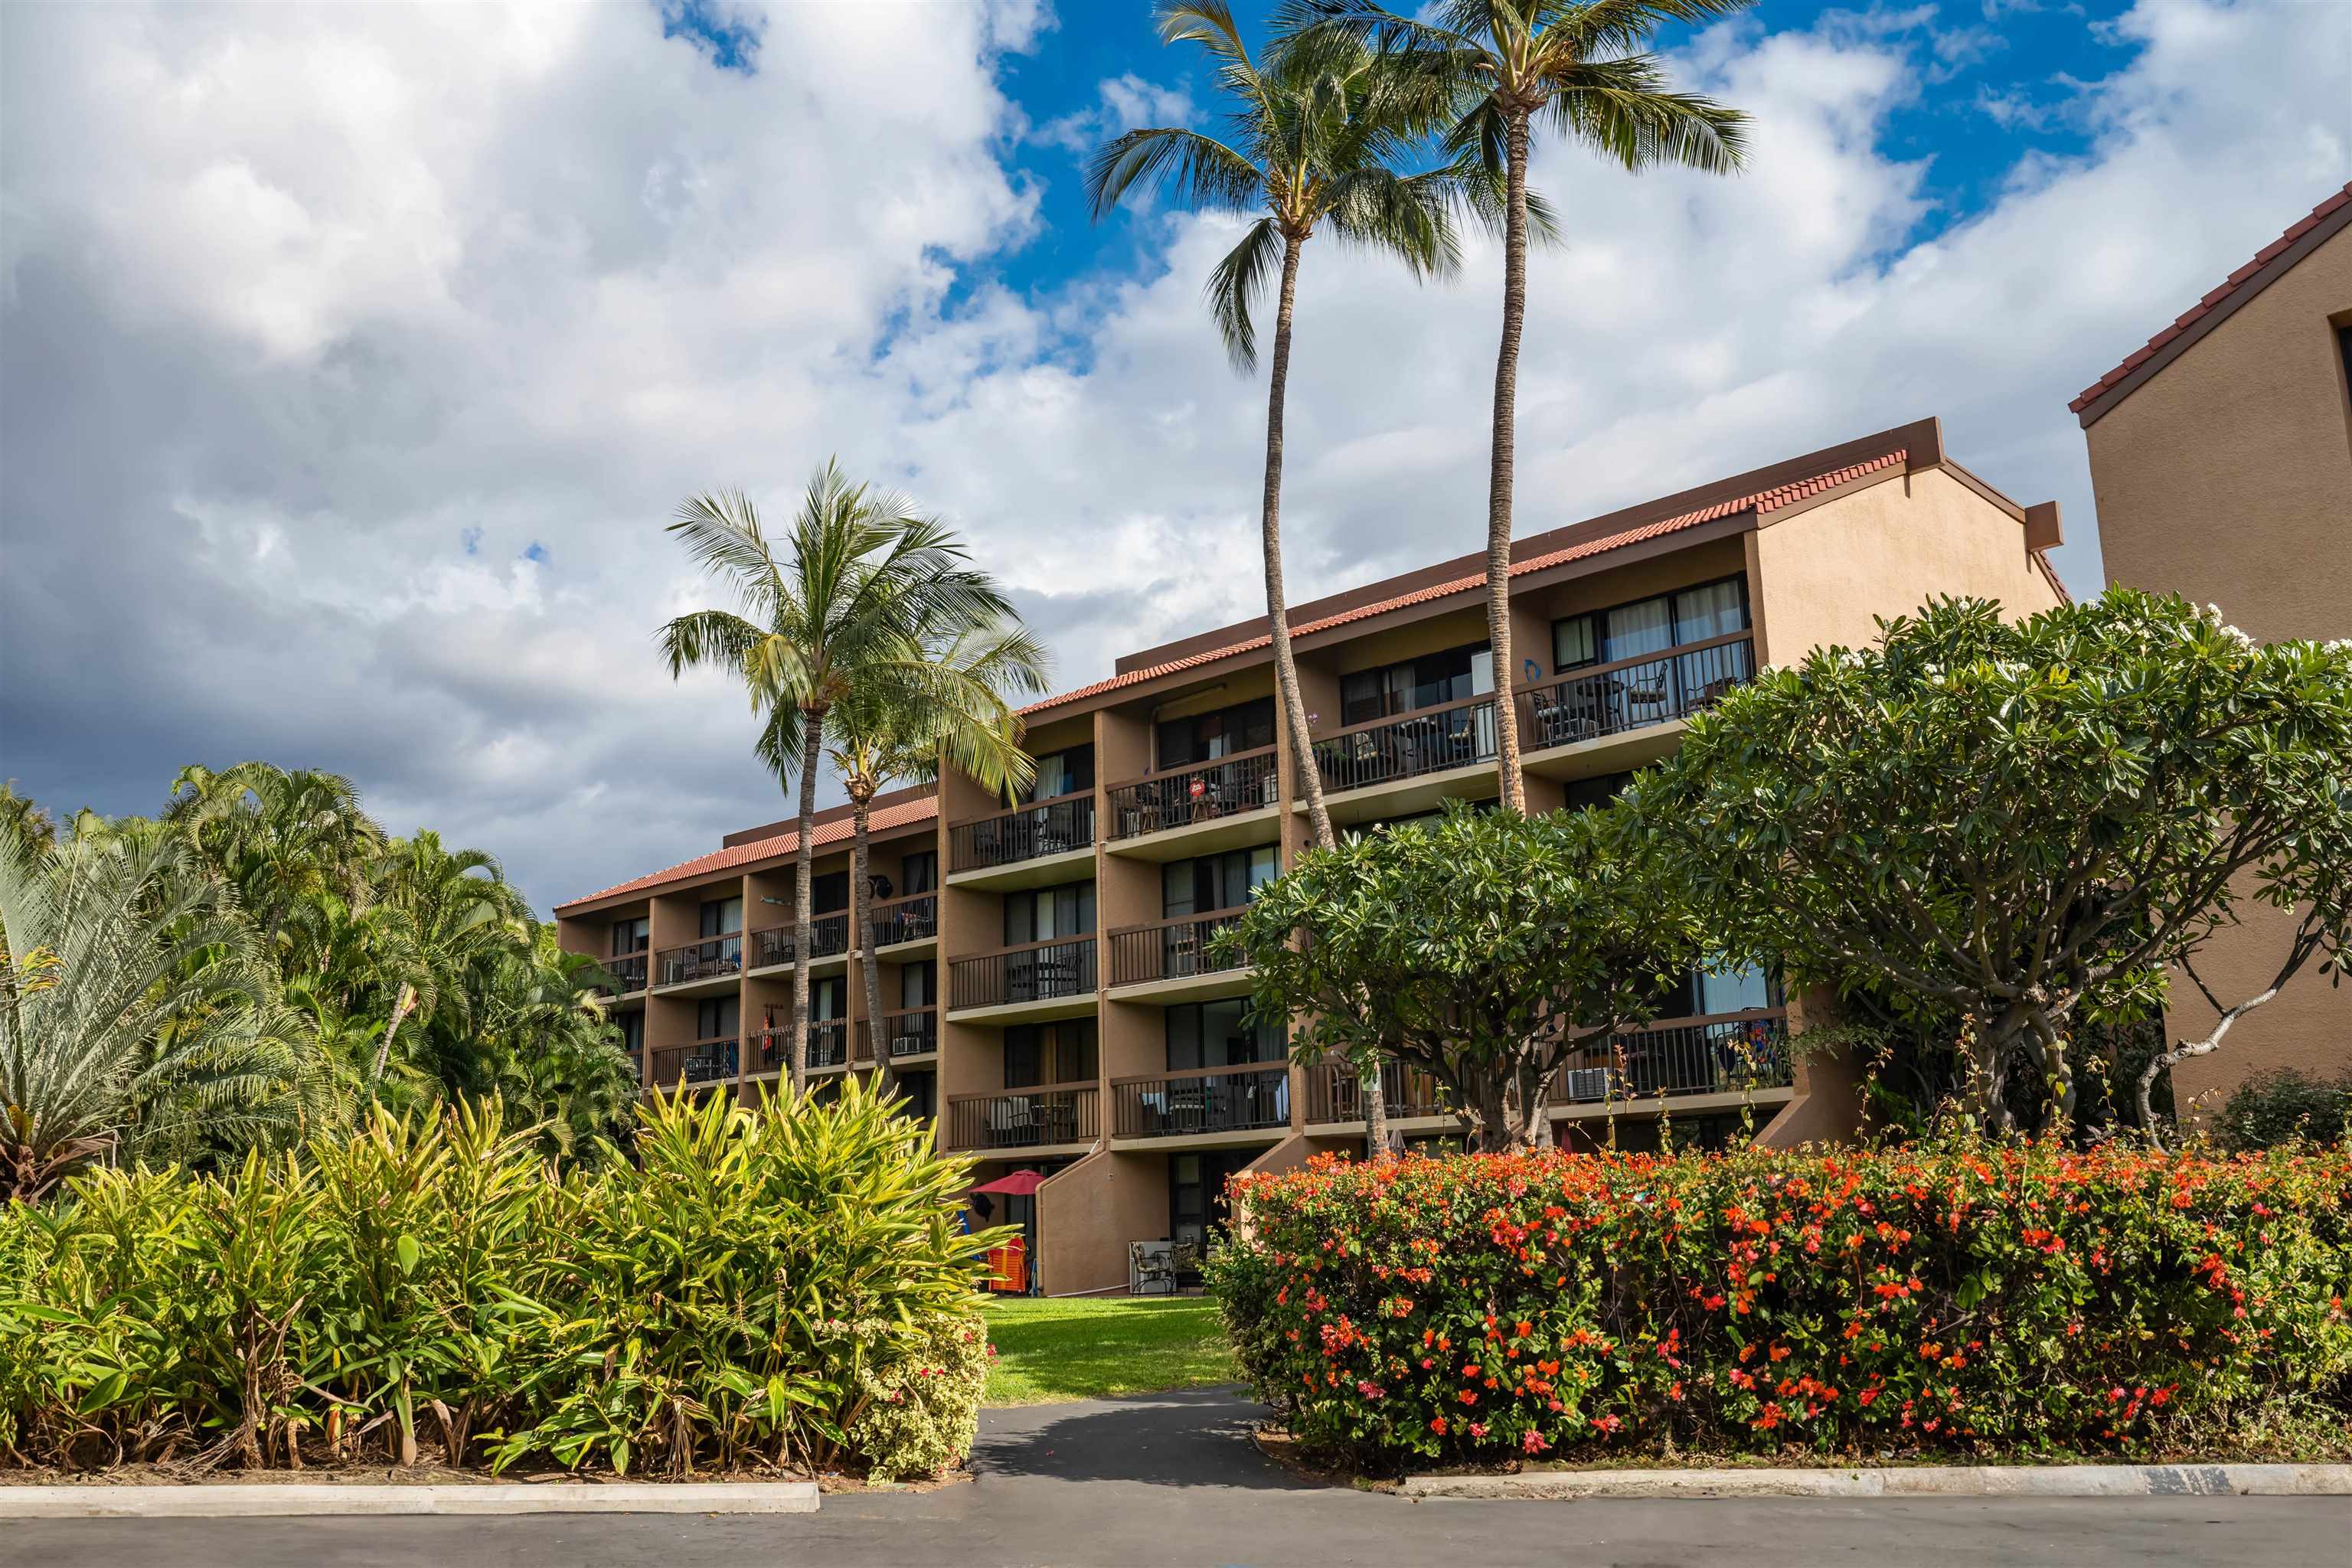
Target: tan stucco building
(1047, 991)
(2222, 463)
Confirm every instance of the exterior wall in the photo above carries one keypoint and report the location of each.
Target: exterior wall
(1824, 572)
(1089, 1212)
(2226, 476)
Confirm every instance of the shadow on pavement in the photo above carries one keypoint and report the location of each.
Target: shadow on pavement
(1190, 1438)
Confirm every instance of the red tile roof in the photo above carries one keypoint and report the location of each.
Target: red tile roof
(2214, 299)
(884, 818)
(1760, 501)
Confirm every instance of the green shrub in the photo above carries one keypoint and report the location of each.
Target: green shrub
(2274, 1107)
(1964, 1296)
(744, 1296)
(922, 1412)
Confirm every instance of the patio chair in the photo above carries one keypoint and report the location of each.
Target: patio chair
(1149, 1268)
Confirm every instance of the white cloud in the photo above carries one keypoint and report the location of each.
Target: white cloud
(319, 319)
(1124, 102)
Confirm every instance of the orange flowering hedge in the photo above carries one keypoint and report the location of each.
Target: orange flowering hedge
(1964, 1295)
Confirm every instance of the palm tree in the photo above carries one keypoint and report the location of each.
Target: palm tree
(899, 730)
(280, 838)
(1320, 142)
(1586, 66)
(135, 1014)
(861, 577)
(448, 916)
(557, 1049)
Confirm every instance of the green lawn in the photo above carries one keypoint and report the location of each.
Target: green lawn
(1048, 1350)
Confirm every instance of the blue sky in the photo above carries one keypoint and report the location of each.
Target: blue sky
(369, 349)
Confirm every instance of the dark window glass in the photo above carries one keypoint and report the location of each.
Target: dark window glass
(1575, 643)
(1217, 1035)
(717, 1018)
(1068, 772)
(829, 996)
(918, 985)
(1049, 912)
(919, 872)
(631, 936)
(1223, 881)
(1430, 682)
(921, 1091)
(1204, 737)
(828, 892)
(1599, 791)
(722, 916)
(1050, 1053)
(632, 1025)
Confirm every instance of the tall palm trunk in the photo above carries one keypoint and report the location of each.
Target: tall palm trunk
(861, 887)
(402, 1001)
(803, 870)
(1277, 615)
(1499, 471)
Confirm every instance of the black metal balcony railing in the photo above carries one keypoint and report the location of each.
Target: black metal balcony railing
(704, 1061)
(1199, 792)
(1024, 833)
(628, 971)
(1429, 741)
(710, 960)
(828, 1042)
(828, 935)
(1023, 1118)
(1631, 694)
(913, 917)
(913, 1032)
(1254, 1096)
(1034, 971)
(1168, 950)
(1335, 1092)
(1721, 1054)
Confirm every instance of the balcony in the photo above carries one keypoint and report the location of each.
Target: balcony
(898, 922)
(1613, 717)
(1051, 979)
(1197, 809)
(700, 963)
(828, 938)
(1173, 957)
(1237, 1104)
(705, 1061)
(1395, 766)
(910, 1033)
(828, 1044)
(628, 972)
(1046, 1117)
(1027, 846)
(1733, 1055)
(1335, 1094)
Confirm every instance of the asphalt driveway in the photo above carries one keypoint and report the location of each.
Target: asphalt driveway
(1171, 1478)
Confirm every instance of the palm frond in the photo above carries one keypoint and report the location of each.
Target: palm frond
(1236, 285)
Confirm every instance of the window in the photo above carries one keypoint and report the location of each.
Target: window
(828, 892)
(1196, 1191)
(1068, 772)
(1702, 993)
(1048, 913)
(921, 1092)
(918, 872)
(1204, 737)
(1650, 625)
(1050, 1053)
(632, 1025)
(631, 936)
(722, 917)
(1430, 682)
(829, 996)
(1225, 881)
(918, 985)
(1216, 1035)
(1599, 791)
(717, 1018)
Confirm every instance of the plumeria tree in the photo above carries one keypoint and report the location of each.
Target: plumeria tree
(1486, 948)
(2030, 826)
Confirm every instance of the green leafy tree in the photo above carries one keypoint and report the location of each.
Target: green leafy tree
(136, 1017)
(898, 730)
(1486, 948)
(451, 919)
(281, 839)
(843, 608)
(1586, 69)
(2030, 826)
(32, 822)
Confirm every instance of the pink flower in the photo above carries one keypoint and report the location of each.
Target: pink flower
(1534, 1442)
(1368, 1389)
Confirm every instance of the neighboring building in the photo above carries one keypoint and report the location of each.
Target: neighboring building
(1047, 987)
(2221, 462)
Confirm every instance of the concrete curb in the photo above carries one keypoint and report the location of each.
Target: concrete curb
(1925, 1480)
(294, 1499)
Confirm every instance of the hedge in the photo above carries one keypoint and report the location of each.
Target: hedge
(1960, 1297)
(773, 1287)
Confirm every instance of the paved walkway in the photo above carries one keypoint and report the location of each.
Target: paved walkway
(1171, 1479)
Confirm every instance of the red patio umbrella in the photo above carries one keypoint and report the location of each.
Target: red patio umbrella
(1019, 1184)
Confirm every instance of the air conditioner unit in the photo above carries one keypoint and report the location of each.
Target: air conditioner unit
(1586, 1083)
